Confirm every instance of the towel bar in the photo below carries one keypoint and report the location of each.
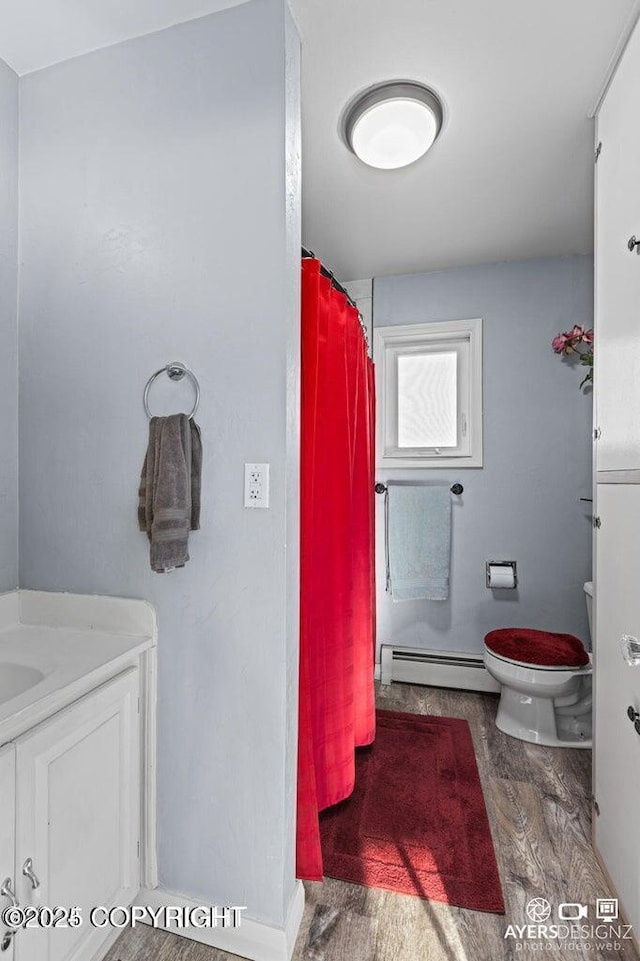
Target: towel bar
(175, 371)
(456, 489)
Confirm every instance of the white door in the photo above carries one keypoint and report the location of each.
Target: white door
(617, 687)
(77, 810)
(617, 373)
(7, 840)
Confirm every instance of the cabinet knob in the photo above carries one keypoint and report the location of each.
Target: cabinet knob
(7, 892)
(632, 714)
(632, 243)
(27, 870)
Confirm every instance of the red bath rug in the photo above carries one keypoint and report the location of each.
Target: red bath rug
(416, 822)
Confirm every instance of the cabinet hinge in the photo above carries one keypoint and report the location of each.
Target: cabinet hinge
(597, 433)
(138, 705)
(595, 805)
(138, 848)
(596, 522)
(598, 151)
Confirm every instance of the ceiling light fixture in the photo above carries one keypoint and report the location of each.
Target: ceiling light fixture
(392, 124)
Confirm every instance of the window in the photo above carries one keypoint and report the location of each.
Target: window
(429, 387)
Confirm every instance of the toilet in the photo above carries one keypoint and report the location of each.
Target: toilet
(546, 684)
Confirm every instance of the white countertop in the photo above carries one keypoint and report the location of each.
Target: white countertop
(74, 641)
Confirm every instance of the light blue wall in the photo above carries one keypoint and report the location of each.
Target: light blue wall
(523, 505)
(160, 221)
(8, 328)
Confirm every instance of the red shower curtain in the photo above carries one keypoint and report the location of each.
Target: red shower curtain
(337, 712)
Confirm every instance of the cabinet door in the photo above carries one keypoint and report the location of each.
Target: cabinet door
(77, 810)
(618, 269)
(617, 687)
(7, 832)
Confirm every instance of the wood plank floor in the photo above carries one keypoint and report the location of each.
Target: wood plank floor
(538, 804)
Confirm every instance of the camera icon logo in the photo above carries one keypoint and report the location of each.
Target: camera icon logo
(570, 911)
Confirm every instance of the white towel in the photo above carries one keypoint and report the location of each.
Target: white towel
(418, 522)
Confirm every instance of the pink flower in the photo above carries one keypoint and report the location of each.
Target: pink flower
(567, 344)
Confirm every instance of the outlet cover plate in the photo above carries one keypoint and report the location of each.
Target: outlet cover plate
(256, 485)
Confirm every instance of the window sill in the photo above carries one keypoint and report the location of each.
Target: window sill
(428, 463)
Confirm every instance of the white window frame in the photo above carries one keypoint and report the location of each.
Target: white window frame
(465, 338)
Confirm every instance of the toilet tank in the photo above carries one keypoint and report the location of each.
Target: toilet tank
(588, 591)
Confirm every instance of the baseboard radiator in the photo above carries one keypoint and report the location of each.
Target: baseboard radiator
(464, 672)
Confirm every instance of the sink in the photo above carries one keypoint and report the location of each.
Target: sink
(16, 679)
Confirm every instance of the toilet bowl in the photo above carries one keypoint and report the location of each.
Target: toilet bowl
(546, 704)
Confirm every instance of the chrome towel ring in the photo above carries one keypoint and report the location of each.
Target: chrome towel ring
(175, 371)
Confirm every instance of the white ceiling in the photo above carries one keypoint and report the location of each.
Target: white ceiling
(37, 33)
(510, 176)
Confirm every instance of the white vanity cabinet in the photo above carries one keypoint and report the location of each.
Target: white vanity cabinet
(617, 497)
(75, 837)
(77, 768)
(7, 835)
(617, 767)
(617, 371)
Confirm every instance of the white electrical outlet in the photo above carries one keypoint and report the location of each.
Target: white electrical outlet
(256, 485)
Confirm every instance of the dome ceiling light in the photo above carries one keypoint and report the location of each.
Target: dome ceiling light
(392, 124)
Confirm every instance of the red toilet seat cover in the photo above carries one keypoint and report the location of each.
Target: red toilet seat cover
(537, 647)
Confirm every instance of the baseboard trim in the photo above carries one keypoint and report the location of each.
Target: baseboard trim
(453, 669)
(253, 939)
(107, 944)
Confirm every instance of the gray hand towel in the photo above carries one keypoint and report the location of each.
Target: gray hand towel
(169, 493)
(196, 474)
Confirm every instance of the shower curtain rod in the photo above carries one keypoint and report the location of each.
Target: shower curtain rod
(329, 274)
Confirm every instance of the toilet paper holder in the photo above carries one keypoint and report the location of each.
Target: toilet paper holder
(503, 564)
